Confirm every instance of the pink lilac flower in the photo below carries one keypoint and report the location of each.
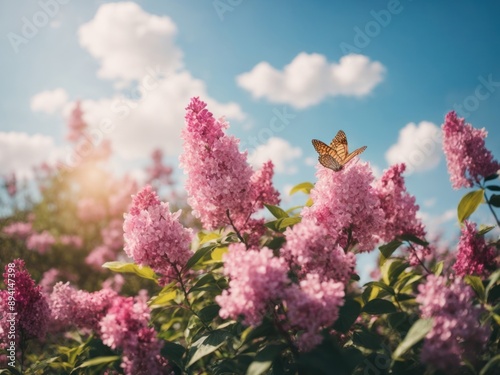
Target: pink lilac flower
(40, 242)
(347, 205)
(310, 248)
(76, 124)
(79, 308)
(49, 279)
(159, 172)
(90, 210)
(125, 327)
(19, 230)
(31, 308)
(400, 209)
(112, 235)
(155, 237)
(312, 306)
(264, 191)
(456, 333)
(256, 279)
(100, 255)
(219, 178)
(474, 255)
(467, 158)
(114, 282)
(74, 241)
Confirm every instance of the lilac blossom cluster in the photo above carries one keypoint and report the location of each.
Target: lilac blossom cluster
(456, 334)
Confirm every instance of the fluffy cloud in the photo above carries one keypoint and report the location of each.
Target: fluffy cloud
(50, 101)
(310, 78)
(418, 146)
(280, 152)
(126, 41)
(137, 49)
(21, 152)
(434, 223)
(155, 119)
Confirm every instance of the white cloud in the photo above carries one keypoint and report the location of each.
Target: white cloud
(310, 161)
(20, 152)
(418, 147)
(136, 50)
(434, 223)
(126, 40)
(155, 120)
(49, 101)
(280, 152)
(310, 78)
(430, 202)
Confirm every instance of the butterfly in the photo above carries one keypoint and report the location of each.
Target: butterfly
(337, 154)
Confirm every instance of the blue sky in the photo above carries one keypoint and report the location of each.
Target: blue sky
(416, 61)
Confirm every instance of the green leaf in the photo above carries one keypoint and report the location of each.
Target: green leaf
(388, 249)
(97, 361)
(264, 359)
(493, 363)
(395, 270)
(495, 200)
(208, 313)
(348, 313)
(491, 177)
(173, 352)
(477, 285)
(304, 187)
(493, 187)
(276, 211)
(483, 229)
(163, 299)
(207, 237)
(207, 344)
(396, 319)
(493, 280)
(438, 268)
(366, 339)
(383, 286)
(379, 306)
(10, 371)
(273, 225)
(198, 255)
(142, 271)
(289, 221)
(414, 239)
(469, 203)
(218, 253)
(416, 333)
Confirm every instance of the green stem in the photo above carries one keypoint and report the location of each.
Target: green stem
(419, 260)
(185, 292)
(491, 209)
(238, 234)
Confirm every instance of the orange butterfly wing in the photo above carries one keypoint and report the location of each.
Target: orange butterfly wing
(353, 154)
(339, 144)
(337, 154)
